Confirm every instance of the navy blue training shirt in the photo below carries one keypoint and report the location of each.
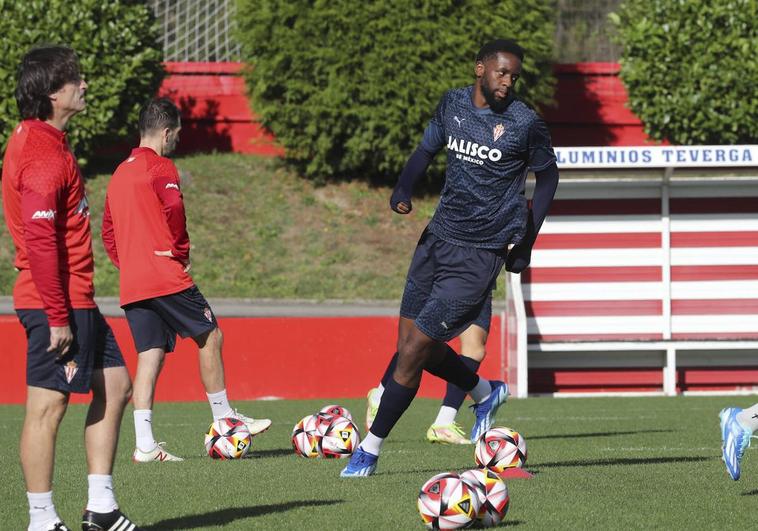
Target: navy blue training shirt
(489, 154)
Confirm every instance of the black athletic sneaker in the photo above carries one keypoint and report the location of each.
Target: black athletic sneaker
(59, 526)
(113, 521)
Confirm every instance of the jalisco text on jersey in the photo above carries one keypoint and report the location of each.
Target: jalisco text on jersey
(466, 147)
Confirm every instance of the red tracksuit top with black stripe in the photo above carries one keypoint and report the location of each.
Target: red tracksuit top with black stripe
(144, 213)
(47, 215)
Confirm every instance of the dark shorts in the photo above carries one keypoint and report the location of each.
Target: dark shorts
(155, 322)
(485, 316)
(94, 347)
(449, 286)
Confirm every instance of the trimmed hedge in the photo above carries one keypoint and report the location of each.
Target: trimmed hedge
(348, 87)
(690, 68)
(117, 45)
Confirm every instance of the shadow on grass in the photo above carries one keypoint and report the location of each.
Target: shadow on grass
(750, 493)
(590, 435)
(623, 461)
(227, 516)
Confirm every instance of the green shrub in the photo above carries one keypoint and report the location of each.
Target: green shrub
(348, 87)
(117, 44)
(690, 68)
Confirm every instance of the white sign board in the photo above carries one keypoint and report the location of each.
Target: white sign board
(656, 157)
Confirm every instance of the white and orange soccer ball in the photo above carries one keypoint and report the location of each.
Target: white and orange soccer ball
(306, 436)
(492, 493)
(228, 438)
(499, 449)
(447, 502)
(340, 438)
(336, 411)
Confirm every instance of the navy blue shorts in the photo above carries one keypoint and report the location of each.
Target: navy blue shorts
(448, 286)
(485, 316)
(94, 347)
(155, 322)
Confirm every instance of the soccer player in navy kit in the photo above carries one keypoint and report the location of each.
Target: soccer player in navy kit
(482, 222)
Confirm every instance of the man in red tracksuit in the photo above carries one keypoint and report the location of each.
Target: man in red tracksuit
(145, 236)
(70, 347)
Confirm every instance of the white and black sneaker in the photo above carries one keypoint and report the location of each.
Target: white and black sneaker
(112, 521)
(58, 526)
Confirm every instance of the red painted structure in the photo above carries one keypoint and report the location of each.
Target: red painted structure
(215, 110)
(287, 357)
(590, 108)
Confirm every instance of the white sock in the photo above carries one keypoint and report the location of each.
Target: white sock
(372, 444)
(749, 418)
(42, 512)
(376, 396)
(481, 391)
(446, 416)
(101, 496)
(143, 429)
(219, 404)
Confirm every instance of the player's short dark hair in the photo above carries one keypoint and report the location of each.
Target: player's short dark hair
(44, 70)
(492, 48)
(158, 114)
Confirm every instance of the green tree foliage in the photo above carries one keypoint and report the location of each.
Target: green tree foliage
(690, 67)
(348, 87)
(117, 45)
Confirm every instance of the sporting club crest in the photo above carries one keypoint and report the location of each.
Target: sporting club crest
(208, 314)
(71, 369)
(498, 131)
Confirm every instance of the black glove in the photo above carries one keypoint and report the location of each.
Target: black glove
(519, 257)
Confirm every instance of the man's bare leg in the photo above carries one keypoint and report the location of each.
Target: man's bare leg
(211, 360)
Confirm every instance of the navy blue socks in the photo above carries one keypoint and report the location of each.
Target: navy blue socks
(395, 400)
(453, 370)
(454, 396)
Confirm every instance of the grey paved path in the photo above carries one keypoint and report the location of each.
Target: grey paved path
(268, 307)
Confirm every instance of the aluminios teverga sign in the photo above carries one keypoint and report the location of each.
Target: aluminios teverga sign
(656, 156)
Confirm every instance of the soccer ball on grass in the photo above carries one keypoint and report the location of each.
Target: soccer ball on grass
(447, 502)
(499, 449)
(340, 438)
(336, 411)
(228, 438)
(492, 493)
(306, 436)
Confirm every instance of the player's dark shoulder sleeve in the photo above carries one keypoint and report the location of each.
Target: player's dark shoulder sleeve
(434, 134)
(540, 146)
(438, 119)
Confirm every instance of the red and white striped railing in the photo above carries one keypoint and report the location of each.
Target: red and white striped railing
(639, 263)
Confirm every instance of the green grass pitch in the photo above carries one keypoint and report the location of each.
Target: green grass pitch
(599, 463)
